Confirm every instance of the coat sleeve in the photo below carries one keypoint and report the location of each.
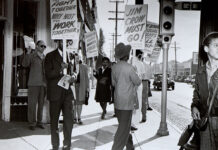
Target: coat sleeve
(113, 81)
(51, 71)
(110, 79)
(86, 77)
(26, 60)
(196, 95)
(96, 74)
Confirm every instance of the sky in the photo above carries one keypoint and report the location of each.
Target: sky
(187, 26)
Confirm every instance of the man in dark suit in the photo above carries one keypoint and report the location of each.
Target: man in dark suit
(60, 98)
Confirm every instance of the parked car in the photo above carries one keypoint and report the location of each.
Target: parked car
(157, 83)
(188, 79)
(181, 79)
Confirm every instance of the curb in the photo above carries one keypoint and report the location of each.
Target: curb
(169, 122)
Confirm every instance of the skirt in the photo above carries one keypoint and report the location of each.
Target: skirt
(77, 101)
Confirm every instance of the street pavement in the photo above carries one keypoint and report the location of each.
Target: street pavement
(95, 133)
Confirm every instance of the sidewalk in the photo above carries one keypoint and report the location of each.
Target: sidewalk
(93, 134)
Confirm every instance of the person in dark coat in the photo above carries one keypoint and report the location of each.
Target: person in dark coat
(60, 99)
(103, 89)
(205, 81)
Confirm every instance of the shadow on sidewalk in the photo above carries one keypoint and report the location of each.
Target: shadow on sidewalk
(91, 140)
(147, 140)
(97, 114)
(11, 130)
(94, 118)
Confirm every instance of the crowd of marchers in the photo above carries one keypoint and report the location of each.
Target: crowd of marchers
(125, 84)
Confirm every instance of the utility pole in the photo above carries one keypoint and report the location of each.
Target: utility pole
(113, 50)
(116, 17)
(175, 48)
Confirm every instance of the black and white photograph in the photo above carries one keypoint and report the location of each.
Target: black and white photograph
(108, 75)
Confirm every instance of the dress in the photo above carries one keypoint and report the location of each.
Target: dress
(103, 88)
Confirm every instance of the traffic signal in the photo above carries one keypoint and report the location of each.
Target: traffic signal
(167, 14)
(166, 39)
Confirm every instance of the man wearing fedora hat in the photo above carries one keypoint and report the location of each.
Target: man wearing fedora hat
(124, 80)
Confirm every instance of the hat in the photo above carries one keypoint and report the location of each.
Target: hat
(122, 50)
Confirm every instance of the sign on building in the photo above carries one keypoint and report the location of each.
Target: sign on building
(188, 5)
(63, 19)
(195, 58)
(91, 44)
(135, 24)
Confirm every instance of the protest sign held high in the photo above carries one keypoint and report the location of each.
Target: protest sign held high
(151, 34)
(72, 44)
(135, 25)
(91, 44)
(153, 57)
(63, 19)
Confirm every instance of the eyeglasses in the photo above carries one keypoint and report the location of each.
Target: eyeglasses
(214, 45)
(42, 46)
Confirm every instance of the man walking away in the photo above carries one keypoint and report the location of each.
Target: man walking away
(125, 80)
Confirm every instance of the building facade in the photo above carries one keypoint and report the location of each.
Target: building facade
(31, 18)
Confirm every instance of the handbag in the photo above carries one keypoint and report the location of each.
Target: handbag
(202, 124)
(103, 80)
(87, 98)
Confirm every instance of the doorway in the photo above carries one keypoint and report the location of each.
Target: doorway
(25, 20)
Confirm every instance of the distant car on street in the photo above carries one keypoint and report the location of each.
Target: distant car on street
(193, 80)
(188, 79)
(157, 83)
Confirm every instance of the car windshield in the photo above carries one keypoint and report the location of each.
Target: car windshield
(159, 77)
